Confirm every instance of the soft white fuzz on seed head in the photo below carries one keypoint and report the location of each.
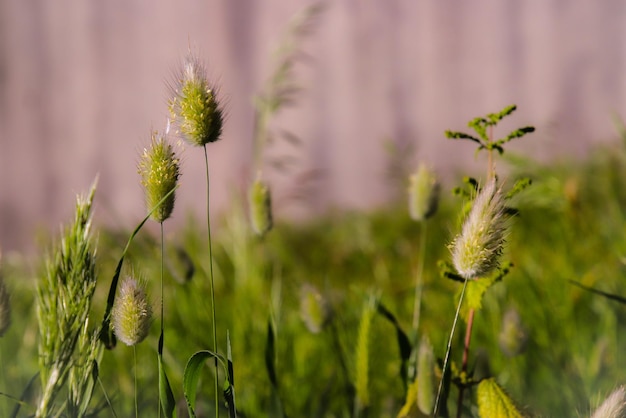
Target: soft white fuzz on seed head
(132, 313)
(614, 406)
(159, 168)
(476, 251)
(196, 112)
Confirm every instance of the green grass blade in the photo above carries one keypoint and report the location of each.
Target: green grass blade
(270, 353)
(192, 375)
(25, 393)
(404, 344)
(168, 403)
(91, 384)
(106, 332)
(607, 295)
(229, 392)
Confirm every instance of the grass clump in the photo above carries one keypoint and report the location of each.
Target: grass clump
(68, 348)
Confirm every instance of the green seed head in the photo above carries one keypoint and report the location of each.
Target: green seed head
(159, 169)
(194, 107)
(260, 207)
(132, 313)
(423, 194)
(314, 309)
(426, 377)
(513, 335)
(476, 251)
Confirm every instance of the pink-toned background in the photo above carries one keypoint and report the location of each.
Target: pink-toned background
(83, 82)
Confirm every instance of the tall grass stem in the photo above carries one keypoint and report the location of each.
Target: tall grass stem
(208, 220)
(162, 306)
(135, 373)
(448, 349)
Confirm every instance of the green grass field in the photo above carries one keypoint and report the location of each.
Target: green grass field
(571, 226)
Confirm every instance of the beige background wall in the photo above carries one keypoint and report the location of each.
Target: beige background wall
(82, 84)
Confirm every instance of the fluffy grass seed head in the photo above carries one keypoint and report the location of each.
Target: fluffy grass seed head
(476, 251)
(132, 313)
(423, 194)
(260, 207)
(159, 169)
(614, 406)
(196, 112)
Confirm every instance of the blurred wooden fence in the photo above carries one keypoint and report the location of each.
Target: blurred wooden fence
(82, 84)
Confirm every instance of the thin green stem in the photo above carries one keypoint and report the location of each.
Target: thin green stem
(162, 271)
(419, 280)
(135, 372)
(208, 220)
(162, 306)
(448, 349)
(468, 339)
(491, 164)
(4, 382)
(106, 397)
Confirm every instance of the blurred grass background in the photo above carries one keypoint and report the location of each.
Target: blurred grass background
(572, 226)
